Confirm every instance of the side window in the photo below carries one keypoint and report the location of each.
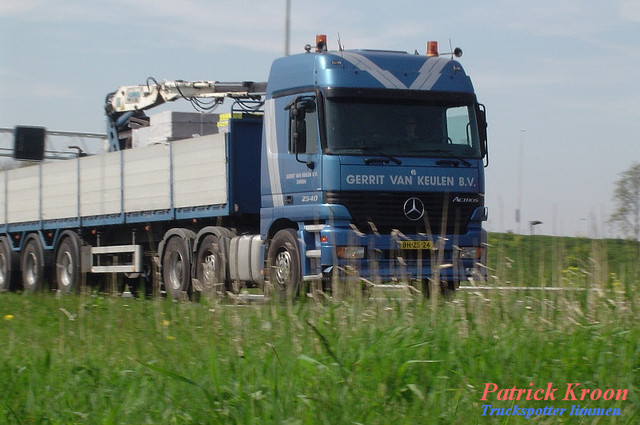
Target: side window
(311, 121)
(303, 126)
(458, 126)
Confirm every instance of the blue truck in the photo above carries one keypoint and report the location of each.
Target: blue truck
(357, 166)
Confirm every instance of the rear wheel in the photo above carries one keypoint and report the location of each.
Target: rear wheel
(283, 264)
(211, 267)
(68, 265)
(176, 268)
(6, 266)
(32, 265)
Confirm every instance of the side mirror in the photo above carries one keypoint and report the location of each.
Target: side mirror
(298, 110)
(481, 114)
(299, 137)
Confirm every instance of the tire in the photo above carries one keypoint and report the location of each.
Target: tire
(68, 272)
(32, 265)
(447, 288)
(211, 267)
(7, 274)
(176, 268)
(426, 288)
(283, 265)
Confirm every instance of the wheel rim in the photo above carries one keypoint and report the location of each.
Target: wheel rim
(176, 269)
(4, 269)
(31, 272)
(209, 267)
(66, 269)
(283, 269)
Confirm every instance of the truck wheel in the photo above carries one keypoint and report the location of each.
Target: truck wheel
(6, 272)
(447, 289)
(283, 264)
(176, 268)
(68, 265)
(32, 265)
(210, 266)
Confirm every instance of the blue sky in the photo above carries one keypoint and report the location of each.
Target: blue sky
(559, 79)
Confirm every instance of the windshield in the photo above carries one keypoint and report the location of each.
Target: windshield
(393, 127)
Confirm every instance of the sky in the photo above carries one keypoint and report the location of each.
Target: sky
(559, 79)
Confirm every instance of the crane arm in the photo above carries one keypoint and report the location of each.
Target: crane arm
(147, 96)
(125, 107)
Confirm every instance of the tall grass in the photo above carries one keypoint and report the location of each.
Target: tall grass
(93, 359)
(556, 261)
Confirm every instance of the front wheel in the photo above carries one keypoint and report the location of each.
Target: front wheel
(447, 288)
(283, 265)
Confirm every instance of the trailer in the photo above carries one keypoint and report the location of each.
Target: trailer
(358, 166)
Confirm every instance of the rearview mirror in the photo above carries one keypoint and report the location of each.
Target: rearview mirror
(481, 114)
(298, 109)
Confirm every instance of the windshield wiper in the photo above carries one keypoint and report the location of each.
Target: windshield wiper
(445, 161)
(381, 153)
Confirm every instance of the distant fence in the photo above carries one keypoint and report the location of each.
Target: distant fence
(58, 145)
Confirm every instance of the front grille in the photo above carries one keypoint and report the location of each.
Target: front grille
(385, 211)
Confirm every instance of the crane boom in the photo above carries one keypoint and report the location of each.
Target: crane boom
(146, 96)
(125, 107)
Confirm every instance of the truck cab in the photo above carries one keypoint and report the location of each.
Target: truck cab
(373, 163)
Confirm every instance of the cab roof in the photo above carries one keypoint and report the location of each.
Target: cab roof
(366, 69)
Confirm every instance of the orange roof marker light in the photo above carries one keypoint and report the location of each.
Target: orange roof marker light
(321, 43)
(432, 48)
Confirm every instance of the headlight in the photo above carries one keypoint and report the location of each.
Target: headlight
(471, 252)
(350, 252)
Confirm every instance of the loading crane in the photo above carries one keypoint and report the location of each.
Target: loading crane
(125, 107)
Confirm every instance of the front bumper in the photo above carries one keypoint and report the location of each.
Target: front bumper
(382, 259)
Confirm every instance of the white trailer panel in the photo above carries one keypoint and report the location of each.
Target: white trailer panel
(23, 194)
(60, 189)
(200, 171)
(147, 179)
(100, 192)
(135, 180)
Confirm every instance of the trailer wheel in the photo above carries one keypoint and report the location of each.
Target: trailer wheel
(176, 268)
(210, 266)
(6, 259)
(32, 265)
(68, 265)
(283, 265)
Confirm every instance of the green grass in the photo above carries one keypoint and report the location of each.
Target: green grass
(93, 359)
(556, 261)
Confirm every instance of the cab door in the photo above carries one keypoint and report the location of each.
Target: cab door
(302, 165)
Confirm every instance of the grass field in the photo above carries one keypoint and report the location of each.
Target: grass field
(94, 359)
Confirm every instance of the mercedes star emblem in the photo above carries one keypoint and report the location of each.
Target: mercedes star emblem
(413, 209)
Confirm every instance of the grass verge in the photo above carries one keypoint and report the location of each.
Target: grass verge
(92, 359)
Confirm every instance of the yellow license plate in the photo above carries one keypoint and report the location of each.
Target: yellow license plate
(416, 245)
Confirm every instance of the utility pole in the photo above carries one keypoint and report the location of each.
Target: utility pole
(520, 166)
(287, 27)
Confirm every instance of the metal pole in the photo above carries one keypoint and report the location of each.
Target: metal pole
(520, 166)
(287, 28)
